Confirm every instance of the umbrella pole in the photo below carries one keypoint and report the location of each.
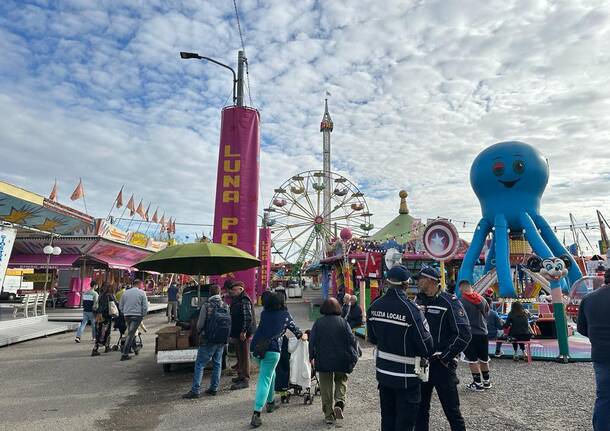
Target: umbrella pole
(198, 289)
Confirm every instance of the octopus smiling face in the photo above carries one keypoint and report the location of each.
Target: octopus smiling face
(509, 166)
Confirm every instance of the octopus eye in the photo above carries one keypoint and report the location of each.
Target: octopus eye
(498, 169)
(519, 166)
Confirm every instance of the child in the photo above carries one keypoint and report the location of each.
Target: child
(494, 327)
(519, 328)
(282, 372)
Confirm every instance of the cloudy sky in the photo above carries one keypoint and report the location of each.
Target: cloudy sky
(96, 89)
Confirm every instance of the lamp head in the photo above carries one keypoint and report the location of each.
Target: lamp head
(48, 249)
(187, 55)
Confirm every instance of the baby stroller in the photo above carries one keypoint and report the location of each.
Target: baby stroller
(120, 325)
(294, 375)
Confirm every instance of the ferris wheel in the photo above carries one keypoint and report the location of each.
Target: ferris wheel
(300, 225)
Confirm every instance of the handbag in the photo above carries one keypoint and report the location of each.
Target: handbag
(113, 310)
(262, 345)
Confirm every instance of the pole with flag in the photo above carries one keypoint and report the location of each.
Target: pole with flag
(139, 211)
(144, 215)
(160, 228)
(78, 193)
(53, 195)
(118, 201)
(154, 220)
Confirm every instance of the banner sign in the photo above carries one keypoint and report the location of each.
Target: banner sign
(7, 240)
(264, 255)
(39, 277)
(111, 232)
(138, 239)
(235, 214)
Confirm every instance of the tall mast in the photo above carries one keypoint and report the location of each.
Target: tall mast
(326, 127)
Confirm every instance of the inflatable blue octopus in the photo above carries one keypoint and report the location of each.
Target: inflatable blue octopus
(509, 179)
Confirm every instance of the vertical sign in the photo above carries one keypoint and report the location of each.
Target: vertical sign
(7, 239)
(264, 255)
(235, 215)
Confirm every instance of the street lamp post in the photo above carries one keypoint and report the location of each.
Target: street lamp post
(237, 82)
(49, 250)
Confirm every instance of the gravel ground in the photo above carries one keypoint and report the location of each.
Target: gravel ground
(53, 383)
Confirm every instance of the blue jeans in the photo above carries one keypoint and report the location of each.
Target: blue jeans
(265, 386)
(204, 354)
(601, 413)
(88, 316)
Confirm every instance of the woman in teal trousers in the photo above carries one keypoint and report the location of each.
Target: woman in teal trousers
(266, 347)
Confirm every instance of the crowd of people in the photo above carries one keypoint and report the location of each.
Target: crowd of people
(417, 343)
(105, 307)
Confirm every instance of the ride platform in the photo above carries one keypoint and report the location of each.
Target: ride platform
(548, 349)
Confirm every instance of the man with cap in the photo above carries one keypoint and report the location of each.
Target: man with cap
(450, 329)
(593, 322)
(398, 329)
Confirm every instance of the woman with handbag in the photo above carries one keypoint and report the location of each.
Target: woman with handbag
(333, 351)
(106, 311)
(265, 347)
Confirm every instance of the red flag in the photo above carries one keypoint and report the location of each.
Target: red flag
(78, 192)
(174, 226)
(146, 213)
(53, 195)
(119, 199)
(155, 218)
(140, 210)
(162, 222)
(131, 206)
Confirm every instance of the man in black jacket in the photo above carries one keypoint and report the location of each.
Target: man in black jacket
(243, 325)
(400, 332)
(450, 330)
(593, 322)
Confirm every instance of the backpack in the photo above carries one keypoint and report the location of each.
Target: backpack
(218, 325)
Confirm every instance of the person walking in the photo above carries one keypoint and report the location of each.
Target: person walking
(354, 315)
(494, 326)
(134, 306)
(593, 322)
(396, 326)
(333, 352)
(449, 324)
(266, 346)
(517, 323)
(477, 351)
(104, 315)
(346, 305)
(90, 303)
(172, 302)
(213, 327)
(243, 324)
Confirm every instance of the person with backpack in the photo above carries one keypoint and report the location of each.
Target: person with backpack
(213, 327)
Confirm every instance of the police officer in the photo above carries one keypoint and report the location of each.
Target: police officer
(398, 329)
(450, 330)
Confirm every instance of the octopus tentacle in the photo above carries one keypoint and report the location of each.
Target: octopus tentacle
(474, 251)
(557, 248)
(491, 255)
(505, 279)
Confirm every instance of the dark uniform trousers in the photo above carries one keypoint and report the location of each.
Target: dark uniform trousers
(445, 380)
(398, 408)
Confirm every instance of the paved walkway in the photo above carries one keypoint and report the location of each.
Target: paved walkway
(54, 384)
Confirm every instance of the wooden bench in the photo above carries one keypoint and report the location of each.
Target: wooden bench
(29, 300)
